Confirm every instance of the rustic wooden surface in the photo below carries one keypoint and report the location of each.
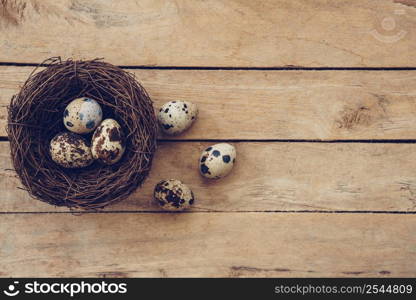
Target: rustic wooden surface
(208, 244)
(251, 104)
(242, 33)
(268, 176)
(325, 182)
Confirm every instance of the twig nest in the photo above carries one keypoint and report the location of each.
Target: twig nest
(82, 115)
(70, 150)
(175, 117)
(217, 160)
(173, 195)
(35, 117)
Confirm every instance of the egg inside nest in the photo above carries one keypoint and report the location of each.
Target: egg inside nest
(108, 142)
(70, 150)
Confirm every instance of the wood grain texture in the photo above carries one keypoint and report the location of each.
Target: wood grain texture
(233, 33)
(208, 245)
(325, 105)
(267, 177)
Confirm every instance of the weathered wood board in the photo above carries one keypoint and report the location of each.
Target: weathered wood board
(267, 177)
(292, 207)
(208, 245)
(236, 33)
(327, 105)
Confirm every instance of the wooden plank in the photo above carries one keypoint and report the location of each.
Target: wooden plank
(323, 105)
(243, 33)
(268, 177)
(208, 245)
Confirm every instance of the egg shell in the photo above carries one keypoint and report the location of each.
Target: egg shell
(108, 142)
(217, 161)
(177, 116)
(173, 195)
(82, 115)
(70, 150)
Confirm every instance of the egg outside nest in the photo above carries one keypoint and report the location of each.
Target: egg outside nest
(173, 195)
(217, 160)
(175, 117)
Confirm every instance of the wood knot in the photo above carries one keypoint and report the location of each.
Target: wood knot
(363, 114)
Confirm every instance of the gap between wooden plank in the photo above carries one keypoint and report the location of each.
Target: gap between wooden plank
(379, 141)
(236, 68)
(76, 213)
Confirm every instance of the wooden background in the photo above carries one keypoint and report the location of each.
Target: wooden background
(319, 98)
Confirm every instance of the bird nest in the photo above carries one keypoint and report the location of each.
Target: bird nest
(35, 116)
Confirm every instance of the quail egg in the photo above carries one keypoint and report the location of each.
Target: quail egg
(82, 115)
(172, 194)
(217, 160)
(70, 150)
(177, 116)
(108, 142)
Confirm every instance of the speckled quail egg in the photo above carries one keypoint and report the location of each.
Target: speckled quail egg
(217, 160)
(108, 142)
(177, 116)
(172, 194)
(70, 150)
(82, 115)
